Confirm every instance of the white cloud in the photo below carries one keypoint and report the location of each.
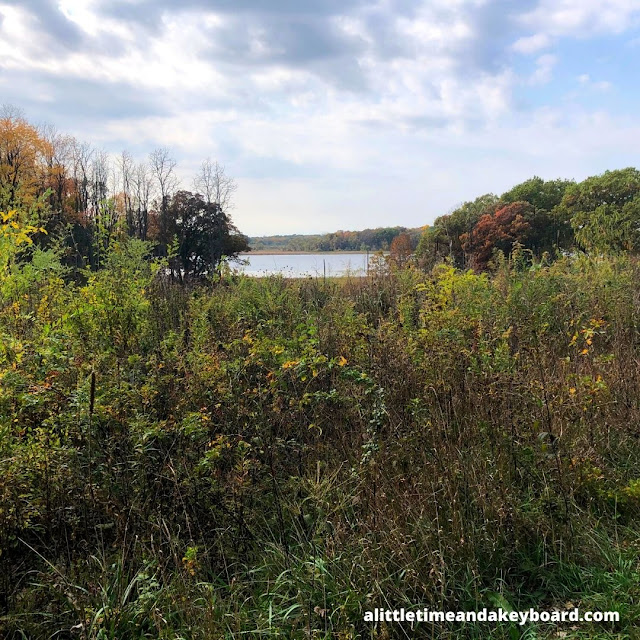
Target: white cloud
(601, 85)
(170, 60)
(372, 114)
(532, 44)
(581, 18)
(423, 79)
(83, 13)
(544, 69)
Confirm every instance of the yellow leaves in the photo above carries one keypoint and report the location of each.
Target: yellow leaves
(632, 490)
(44, 307)
(342, 361)
(588, 389)
(588, 334)
(13, 233)
(289, 364)
(23, 154)
(190, 560)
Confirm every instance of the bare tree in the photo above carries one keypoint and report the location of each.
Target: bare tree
(11, 112)
(126, 170)
(100, 169)
(142, 186)
(59, 159)
(162, 167)
(215, 185)
(81, 153)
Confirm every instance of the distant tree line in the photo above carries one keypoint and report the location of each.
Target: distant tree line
(378, 239)
(83, 198)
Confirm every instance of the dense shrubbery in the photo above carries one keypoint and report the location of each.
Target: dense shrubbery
(274, 457)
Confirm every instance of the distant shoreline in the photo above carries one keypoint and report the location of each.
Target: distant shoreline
(281, 252)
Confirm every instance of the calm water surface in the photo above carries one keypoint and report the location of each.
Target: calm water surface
(300, 265)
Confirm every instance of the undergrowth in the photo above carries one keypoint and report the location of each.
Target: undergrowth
(272, 457)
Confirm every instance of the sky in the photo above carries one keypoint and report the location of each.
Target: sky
(337, 114)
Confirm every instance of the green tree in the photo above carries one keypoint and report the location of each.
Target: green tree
(433, 247)
(604, 211)
(205, 234)
(550, 228)
(538, 192)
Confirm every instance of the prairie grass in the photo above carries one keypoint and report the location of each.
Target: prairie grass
(272, 458)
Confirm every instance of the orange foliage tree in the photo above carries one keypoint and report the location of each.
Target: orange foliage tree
(499, 230)
(22, 162)
(400, 250)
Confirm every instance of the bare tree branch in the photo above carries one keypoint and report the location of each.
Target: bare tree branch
(215, 185)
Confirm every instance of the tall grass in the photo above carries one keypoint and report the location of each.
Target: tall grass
(272, 458)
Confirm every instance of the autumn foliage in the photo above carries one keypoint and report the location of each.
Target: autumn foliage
(499, 230)
(84, 199)
(23, 169)
(401, 250)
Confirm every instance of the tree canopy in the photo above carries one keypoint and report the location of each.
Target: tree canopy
(204, 232)
(542, 216)
(500, 230)
(604, 211)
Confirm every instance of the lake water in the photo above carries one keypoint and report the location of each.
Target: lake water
(301, 265)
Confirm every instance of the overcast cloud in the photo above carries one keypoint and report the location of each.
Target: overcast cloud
(337, 114)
